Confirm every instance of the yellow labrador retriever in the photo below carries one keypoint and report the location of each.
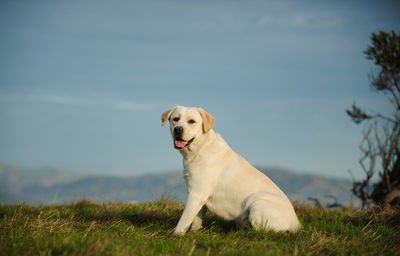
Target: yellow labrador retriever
(222, 181)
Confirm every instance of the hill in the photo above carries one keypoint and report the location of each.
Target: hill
(87, 228)
(47, 186)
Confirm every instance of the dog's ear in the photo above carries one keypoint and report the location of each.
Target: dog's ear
(208, 120)
(166, 115)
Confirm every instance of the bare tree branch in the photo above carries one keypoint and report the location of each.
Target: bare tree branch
(380, 144)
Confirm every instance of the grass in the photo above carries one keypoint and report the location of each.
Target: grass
(87, 228)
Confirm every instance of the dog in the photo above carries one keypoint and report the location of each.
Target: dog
(220, 180)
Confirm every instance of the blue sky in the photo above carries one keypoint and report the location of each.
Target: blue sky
(83, 83)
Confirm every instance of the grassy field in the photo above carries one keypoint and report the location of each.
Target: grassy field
(86, 228)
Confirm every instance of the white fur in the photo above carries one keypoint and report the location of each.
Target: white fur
(222, 181)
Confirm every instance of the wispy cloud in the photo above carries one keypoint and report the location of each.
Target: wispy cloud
(110, 103)
(130, 105)
(301, 19)
(56, 99)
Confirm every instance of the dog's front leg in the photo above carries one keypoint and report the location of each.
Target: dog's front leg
(192, 208)
(198, 220)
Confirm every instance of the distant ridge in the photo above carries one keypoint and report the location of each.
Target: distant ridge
(41, 186)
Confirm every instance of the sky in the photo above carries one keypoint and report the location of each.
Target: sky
(83, 84)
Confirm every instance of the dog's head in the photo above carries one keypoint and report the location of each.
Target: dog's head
(187, 125)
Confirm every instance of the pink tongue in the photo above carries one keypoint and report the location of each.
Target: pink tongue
(180, 144)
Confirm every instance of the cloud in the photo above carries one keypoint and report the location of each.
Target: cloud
(110, 103)
(130, 105)
(301, 19)
(56, 99)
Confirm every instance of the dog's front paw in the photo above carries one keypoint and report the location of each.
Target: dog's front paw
(195, 226)
(178, 232)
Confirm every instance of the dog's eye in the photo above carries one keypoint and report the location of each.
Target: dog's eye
(176, 119)
(191, 121)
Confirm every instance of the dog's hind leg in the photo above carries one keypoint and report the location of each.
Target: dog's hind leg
(257, 216)
(198, 220)
(267, 215)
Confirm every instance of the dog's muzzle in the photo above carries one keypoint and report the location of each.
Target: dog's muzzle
(180, 143)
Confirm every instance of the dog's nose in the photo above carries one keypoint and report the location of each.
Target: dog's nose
(178, 130)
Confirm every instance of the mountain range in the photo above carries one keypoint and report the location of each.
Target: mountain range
(43, 186)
